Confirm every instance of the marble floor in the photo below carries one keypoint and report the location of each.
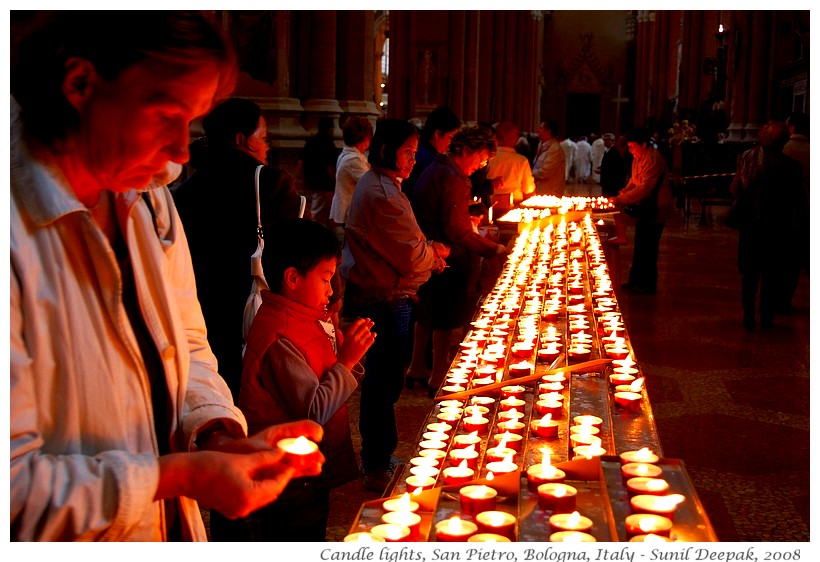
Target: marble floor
(734, 406)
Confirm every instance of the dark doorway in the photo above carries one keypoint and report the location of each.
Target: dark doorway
(583, 114)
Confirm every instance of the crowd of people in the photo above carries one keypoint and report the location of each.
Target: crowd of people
(163, 403)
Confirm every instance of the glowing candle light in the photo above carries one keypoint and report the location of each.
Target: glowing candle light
(402, 503)
(487, 537)
(408, 519)
(657, 505)
(496, 522)
(455, 529)
(643, 485)
(299, 451)
(477, 498)
(362, 536)
(460, 474)
(467, 440)
(643, 455)
(646, 523)
(390, 532)
(570, 522)
(640, 469)
(545, 427)
(557, 497)
(571, 536)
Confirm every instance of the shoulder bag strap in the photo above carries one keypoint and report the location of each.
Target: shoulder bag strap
(256, 258)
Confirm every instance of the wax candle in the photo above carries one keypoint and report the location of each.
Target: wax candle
(498, 453)
(509, 440)
(511, 426)
(450, 404)
(466, 440)
(407, 519)
(510, 415)
(477, 498)
(435, 444)
(424, 461)
(454, 475)
(588, 451)
(413, 483)
(579, 353)
(476, 423)
(522, 350)
(619, 379)
(362, 536)
(544, 472)
(521, 369)
(633, 469)
(497, 522)
(555, 377)
(299, 451)
(628, 400)
(581, 439)
(547, 387)
(482, 400)
(585, 429)
(551, 408)
(470, 455)
(501, 467)
(658, 505)
(402, 503)
(487, 537)
(513, 391)
(646, 523)
(437, 454)
(643, 455)
(650, 538)
(571, 536)
(588, 420)
(545, 427)
(440, 427)
(476, 409)
(557, 497)
(479, 382)
(455, 529)
(431, 471)
(450, 388)
(643, 485)
(616, 351)
(390, 532)
(570, 522)
(435, 436)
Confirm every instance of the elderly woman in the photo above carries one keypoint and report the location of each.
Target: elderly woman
(115, 398)
(442, 208)
(385, 259)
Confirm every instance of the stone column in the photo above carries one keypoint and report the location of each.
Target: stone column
(322, 100)
(760, 90)
(355, 64)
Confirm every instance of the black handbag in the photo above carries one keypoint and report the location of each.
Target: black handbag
(647, 208)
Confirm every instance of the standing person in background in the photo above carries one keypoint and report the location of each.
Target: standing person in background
(511, 167)
(798, 149)
(769, 189)
(442, 208)
(385, 259)
(615, 166)
(648, 189)
(317, 170)
(582, 161)
(570, 148)
(549, 168)
(350, 167)
(119, 422)
(439, 129)
(217, 206)
(598, 151)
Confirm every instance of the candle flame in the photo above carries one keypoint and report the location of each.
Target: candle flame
(670, 501)
(502, 444)
(546, 452)
(573, 519)
(652, 537)
(655, 484)
(509, 458)
(644, 454)
(473, 435)
(490, 475)
(454, 525)
(404, 502)
(559, 492)
(417, 492)
(636, 385)
(463, 465)
(545, 421)
(647, 524)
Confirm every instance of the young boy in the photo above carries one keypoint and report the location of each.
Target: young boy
(295, 367)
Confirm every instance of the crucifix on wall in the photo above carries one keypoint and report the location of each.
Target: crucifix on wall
(618, 100)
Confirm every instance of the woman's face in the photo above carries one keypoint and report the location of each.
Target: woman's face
(469, 162)
(637, 149)
(132, 126)
(406, 157)
(441, 140)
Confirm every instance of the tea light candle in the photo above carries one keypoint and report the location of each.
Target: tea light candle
(498, 453)
(557, 497)
(482, 400)
(390, 532)
(454, 475)
(619, 379)
(455, 529)
(513, 391)
(450, 388)
(299, 451)
(642, 469)
(658, 505)
(487, 537)
(588, 451)
(522, 369)
(496, 522)
(477, 498)
(476, 423)
(510, 403)
(468, 440)
(628, 400)
(545, 427)
(440, 427)
(362, 536)
(643, 455)
(449, 419)
(594, 421)
(468, 455)
(413, 483)
(476, 409)
(571, 536)
(407, 519)
(437, 454)
(616, 352)
(570, 522)
(510, 415)
(505, 466)
(544, 472)
(547, 387)
(402, 503)
(436, 444)
(649, 486)
(551, 408)
(425, 461)
(650, 538)
(483, 381)
(579, 353)
(646, 523)
(511, 426)
(549, 353)
(522, 350)
(584, 429)
(435, 436)
(510, 440)
(450, 404)
(555, 377)
(431, 471)
(581, 439)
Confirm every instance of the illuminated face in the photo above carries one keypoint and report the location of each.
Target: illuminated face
(473, 161)
(257, 144)
(441, 140)
(313, 289)
(406, 157)
(132, 126)
(637, 149)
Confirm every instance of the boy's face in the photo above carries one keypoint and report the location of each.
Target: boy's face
(313, 290)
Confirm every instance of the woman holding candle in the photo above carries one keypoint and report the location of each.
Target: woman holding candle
(441, 205)
(296, 366)
(385, 259)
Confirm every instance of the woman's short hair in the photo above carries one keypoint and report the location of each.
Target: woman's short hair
(389, 136)
(356, 129)
(178, 41)
(472, 139)
(640, 136)
(441, 119)
(232, 116)
(774, 134)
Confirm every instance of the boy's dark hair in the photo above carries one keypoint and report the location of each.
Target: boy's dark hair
(232, 116)
(440, 119)
(640, 136)
(298, 243)
(356, 130)
(389, 136)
